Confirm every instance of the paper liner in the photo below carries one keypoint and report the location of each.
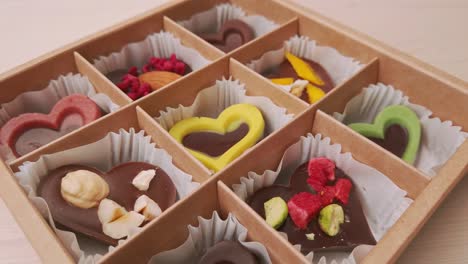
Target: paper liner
(110, 151)
(161, 45)
(382, 201)
(338, 66)
(210, 102)
(44, 100)
(439, 140)
(207, 234)
(210, 21)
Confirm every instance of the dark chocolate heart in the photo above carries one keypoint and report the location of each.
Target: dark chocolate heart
(286, 70)
(214, 144)
(395, 140)
(121, 190)
(30, 131)
(233, 34)
(355, 231)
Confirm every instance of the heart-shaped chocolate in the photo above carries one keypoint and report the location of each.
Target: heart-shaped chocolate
(394, 115)
(353, 232)
(121, 190)
(233, 34)
(30, 131)
(229, 122)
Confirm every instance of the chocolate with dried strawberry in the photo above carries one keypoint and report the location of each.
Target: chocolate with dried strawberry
(323, 208)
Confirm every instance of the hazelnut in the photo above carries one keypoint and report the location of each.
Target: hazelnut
(83, 188)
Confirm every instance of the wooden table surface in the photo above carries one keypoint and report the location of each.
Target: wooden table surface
(431, 30)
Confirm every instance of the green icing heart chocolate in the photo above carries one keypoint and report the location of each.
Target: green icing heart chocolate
(394, 115)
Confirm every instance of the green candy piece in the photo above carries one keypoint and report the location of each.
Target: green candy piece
(330, 219)
(276, 212)
(394, 115)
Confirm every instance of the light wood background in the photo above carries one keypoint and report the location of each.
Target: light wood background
(432, 30)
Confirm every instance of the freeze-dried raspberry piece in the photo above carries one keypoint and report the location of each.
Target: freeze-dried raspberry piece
(303, 207)
(321, 170)
(342, 190)
(133, 71)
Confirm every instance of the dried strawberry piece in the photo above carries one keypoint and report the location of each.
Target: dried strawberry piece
(327, 195)
(321, 170)
(342, 190)
(303, 207)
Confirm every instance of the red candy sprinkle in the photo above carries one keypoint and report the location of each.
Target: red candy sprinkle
(321, 170)
(303, 207)
(130, 84)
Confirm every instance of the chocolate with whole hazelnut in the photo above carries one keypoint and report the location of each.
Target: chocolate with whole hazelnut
(106, 205)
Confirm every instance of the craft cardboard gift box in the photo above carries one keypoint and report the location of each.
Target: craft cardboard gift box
(425, 85)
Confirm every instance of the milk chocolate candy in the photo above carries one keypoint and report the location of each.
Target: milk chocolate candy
(355, 231)
(122, 191)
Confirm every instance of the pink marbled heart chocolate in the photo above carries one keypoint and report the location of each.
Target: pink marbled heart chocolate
(30, 131)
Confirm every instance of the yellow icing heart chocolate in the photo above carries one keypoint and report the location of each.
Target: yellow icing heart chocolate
(228, 121)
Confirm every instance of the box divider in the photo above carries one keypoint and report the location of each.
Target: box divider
(257, 85)
(123, 118)
(413, 219)
(184, 90)
(336, 99)
(100, 82)
(401, 173)
(270, 41)
(169, 230)
(259, 43)
(257, 228)
(189, 39)
(181, 157)
(45, 242)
